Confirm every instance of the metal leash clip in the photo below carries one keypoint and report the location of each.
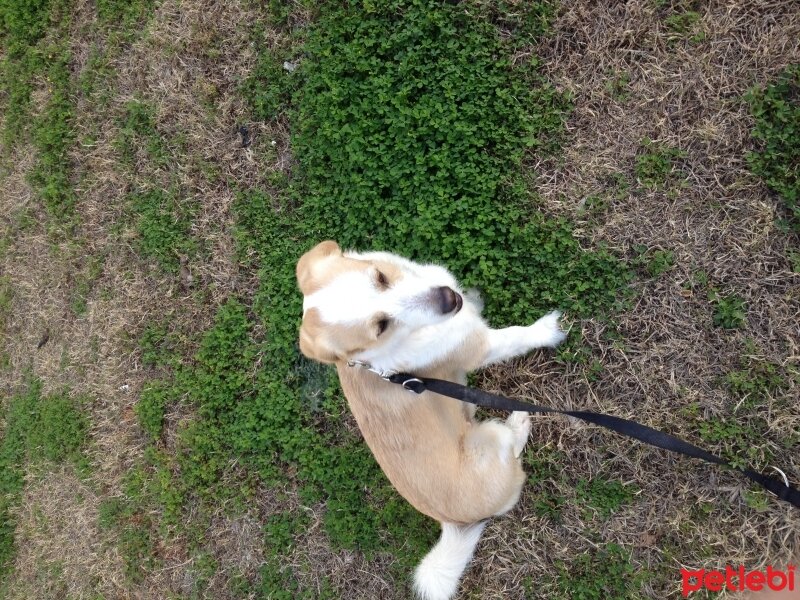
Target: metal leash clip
(365, 365)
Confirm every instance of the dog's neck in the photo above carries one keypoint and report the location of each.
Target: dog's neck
(429, 348)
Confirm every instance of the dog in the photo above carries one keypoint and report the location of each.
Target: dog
(387, 313)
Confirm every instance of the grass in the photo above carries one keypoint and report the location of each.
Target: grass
(426, 128)
(135, 535)
(52, 137)
(656, 166)
(23, 26)
(162, 227)
(617, 86)
(261, 419)
(137, 130)
(126, 16)
(84, 281)
(603, 573)
(36, 58)
(38, 429)
(160, 217)
(545, 472)
(6, 298)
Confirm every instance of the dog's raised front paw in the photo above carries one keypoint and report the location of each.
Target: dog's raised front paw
(548, 331)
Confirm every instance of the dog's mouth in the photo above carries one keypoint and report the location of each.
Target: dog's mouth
(450, 302)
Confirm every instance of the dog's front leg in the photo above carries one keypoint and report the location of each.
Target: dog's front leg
(515, 341)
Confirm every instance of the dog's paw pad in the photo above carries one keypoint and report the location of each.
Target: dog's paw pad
(548, 330)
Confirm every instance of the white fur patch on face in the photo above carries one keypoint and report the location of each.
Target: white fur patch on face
(348, 299)
(354, 298)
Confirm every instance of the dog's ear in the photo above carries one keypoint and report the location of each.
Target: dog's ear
(305, 266)
(314, 344)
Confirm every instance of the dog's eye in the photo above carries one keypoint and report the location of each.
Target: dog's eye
(382, 324)
(383, 281)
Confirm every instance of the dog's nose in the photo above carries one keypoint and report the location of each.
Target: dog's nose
(449, 301)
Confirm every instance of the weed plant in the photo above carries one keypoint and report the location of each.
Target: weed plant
(730, 312)
(755, 381)
(654, 262)
(656, 165)
(602, 496)
(776, 110)
(409, 134)
(685, 25)
(162, 226)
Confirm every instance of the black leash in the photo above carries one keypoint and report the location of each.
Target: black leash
(626, 427)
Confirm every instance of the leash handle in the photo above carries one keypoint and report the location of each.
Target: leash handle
(626, 427)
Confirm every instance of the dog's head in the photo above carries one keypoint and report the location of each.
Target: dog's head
(358, 306)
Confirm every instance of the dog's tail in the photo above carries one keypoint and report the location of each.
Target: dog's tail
(436, 577)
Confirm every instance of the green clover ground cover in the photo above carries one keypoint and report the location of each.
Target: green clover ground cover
(410, 128)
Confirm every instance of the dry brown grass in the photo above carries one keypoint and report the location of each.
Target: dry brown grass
(61, 551)
(90, 356)
(687, 95)
(95, 353)
(682, 93)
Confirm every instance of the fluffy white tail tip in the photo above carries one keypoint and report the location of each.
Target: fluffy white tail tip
(436, 577)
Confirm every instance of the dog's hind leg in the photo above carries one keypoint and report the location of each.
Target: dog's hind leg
(519, 423)
(493, 451)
